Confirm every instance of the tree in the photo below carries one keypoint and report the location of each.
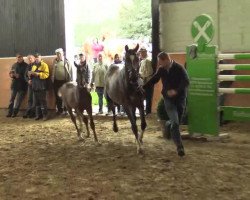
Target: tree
(135, 19)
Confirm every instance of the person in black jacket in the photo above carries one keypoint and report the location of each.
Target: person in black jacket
(18, 85)
(175, 82)
(83, 71)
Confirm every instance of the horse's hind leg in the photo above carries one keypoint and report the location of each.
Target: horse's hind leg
(115, 127)
(143, 122)
(132, 119)
(73, 118)
(92, 125)
(85, 120)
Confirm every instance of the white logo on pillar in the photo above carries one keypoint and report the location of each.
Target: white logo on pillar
(202, 31)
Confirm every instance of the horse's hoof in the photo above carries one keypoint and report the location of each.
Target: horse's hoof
(81, 139)
(140, 151)
(115, 129)
(141, 140)
(98, 143)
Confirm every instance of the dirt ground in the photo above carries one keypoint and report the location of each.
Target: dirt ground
(44, 160)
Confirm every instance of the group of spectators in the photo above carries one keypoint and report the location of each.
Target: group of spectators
(31, 77)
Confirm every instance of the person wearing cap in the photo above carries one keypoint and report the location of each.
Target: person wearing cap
(175, 82)
(62, 73)
(146, 72)
(18, 85)
(83, 71)
(98, 76)
(38, 75)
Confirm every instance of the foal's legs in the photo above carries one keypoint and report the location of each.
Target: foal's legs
(92, 125)
(85, 120)
(79, 117)
(73, 118)
(131, 116)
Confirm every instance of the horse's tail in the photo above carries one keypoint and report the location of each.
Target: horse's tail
(59, 93)
(108, 99)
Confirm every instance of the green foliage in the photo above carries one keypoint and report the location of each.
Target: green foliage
(161, 112)
(135, 19)
(132, 19)
(93, 30)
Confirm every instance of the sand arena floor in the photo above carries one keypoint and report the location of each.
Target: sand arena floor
(44, 160)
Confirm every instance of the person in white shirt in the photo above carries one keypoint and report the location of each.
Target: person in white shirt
(62, 73)
(146, 72)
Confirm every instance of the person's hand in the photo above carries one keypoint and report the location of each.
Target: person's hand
(30, 82)
(141, 89)
(92, 86)
(17, 75)
(171, 93)
(31, 73)
(36, 74)
(11, 74)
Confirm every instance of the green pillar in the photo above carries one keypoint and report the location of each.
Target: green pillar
(203, 115)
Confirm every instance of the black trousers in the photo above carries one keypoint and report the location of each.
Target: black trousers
(31, 102)
(16, 99)
(40, 102)
(149, 96)
(59, 105)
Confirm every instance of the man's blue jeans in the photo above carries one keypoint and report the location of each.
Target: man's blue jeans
(175, 109)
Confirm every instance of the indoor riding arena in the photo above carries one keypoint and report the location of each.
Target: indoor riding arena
(44, 159)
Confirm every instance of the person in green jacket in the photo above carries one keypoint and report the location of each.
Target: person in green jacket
(98, 77)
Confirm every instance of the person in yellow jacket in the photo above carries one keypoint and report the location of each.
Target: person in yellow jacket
(37, 78)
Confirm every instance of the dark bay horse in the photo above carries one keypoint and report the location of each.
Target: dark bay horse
(122, 88)
(78, 98)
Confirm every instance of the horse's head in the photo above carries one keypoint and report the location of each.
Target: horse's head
(132, 66)
(131, 57)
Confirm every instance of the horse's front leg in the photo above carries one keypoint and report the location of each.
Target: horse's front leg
(111, 106)
(132, 118)
(85, 120)
(79, 133)
(73, 118)
(143, 122)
